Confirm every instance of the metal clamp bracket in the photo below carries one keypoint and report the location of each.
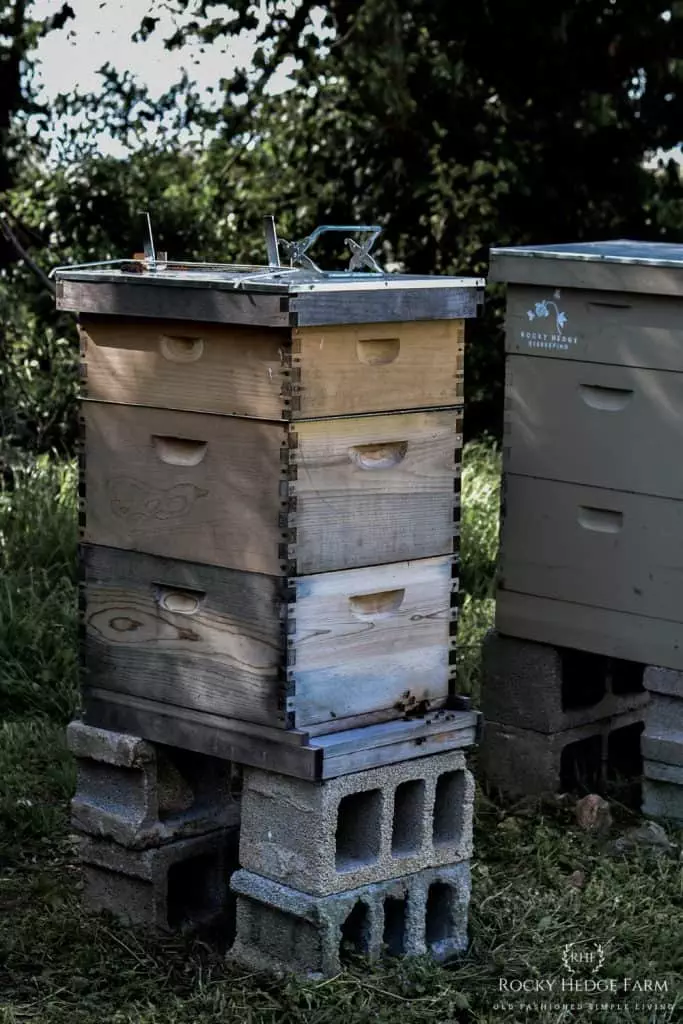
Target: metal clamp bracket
(296, 251)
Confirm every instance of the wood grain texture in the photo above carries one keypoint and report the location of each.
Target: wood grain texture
(154, 299)
(612, 327)
(367, 491)
(216, 641)
(222, 654)
(606, 426)
(203, 733)
(587, 628)
(184, 485)
(197, 366)
(371, 638)
(373, 490)
(355, 740)
(402, 750)
(381, 367)
(603, 548)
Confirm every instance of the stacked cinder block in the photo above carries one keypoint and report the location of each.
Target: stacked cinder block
(662, 745)
(590, 511)
(157, 828)
(270, 494)
(558, 718)
(377, 860)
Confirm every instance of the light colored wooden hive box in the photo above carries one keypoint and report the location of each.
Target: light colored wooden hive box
(270, 502)
(592, 519)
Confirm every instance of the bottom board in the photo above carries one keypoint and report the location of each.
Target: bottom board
(623, 635)
(321, 757)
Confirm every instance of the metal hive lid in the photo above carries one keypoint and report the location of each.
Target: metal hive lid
(617, 265)
(271, 295)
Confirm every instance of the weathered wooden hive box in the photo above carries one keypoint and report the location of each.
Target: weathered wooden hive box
(270, 495)
(592, 524)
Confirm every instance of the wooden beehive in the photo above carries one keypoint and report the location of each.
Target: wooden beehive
(270, 499)
(592, 526)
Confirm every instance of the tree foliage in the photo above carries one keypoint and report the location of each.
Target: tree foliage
(456, 127)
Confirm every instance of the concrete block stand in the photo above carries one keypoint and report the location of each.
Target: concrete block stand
(157, 829)
(141, 794)
(332, 836)
(558, 719)
(662, 746)
(552, 689)
(178, 886)
(521, 762)
(281, 930)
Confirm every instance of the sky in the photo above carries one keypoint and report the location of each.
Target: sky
(101, 32)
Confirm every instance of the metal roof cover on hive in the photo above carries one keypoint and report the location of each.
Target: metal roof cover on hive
(268, 295)
(619, 265)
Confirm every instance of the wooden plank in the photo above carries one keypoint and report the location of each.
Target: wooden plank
(604, 327)
(606, 426)
(164, 723)
(171, 364)
(290, 737)
(371, 638)
(184, 485)
(190, 635)
(362, 722)
(600, 276)
(379, 367)
(372, 490)
(157, 299)
(607, 549)
(204, 488)
(382, 305)
(587, 628)
(403, 750)
(354, 740)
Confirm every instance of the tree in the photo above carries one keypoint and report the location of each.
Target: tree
(456, 127)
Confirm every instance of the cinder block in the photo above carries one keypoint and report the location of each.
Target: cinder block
(535, 686)
(337, 834)
(662, 745)
(664, 680)
(180, 885)
(523, 762)
(141, 794)
(665, 713)
(284, 931)
(663, 799)
(663, 736)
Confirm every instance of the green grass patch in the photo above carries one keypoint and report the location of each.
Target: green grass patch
(538, 882)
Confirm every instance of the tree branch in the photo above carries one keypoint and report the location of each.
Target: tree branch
(23, 254)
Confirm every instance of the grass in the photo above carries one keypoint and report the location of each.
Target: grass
(538, 882)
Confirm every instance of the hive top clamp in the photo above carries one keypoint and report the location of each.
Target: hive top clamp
(151, 261)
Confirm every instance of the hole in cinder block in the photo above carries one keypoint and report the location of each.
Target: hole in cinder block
(581, 765)
(406, 837)
(355, 933)
(439, 920)
(394, 935)
(358, 830)
(189, 781)
(448, 808)
(196, 890)
(584, 678)
(627, 676)
(625, 763)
